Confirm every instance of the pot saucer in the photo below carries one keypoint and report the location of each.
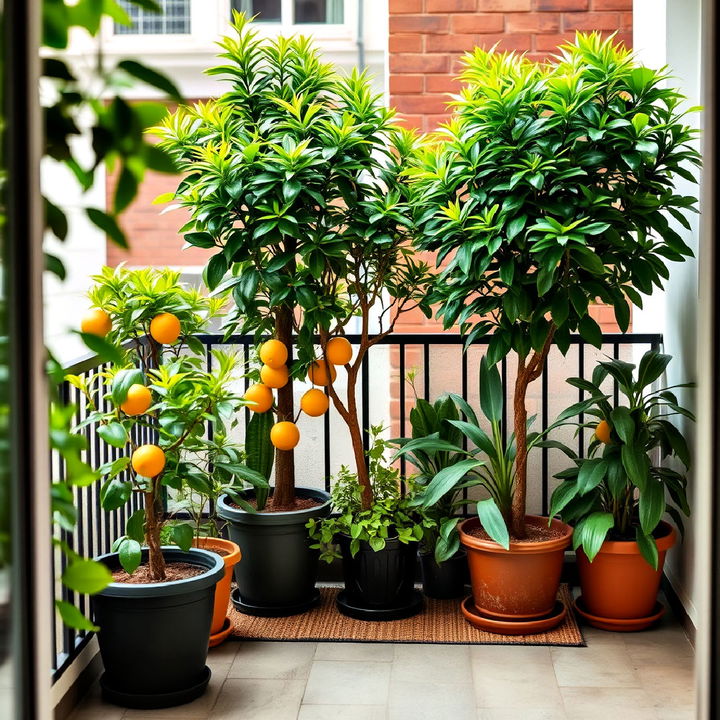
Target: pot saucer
(620, 624)
(271, 610)
(513, 627)
(412, 607)
(222, 634)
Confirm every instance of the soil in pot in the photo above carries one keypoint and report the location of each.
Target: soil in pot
(521, 582)
(154, 636)
(619, 583)
(173, 571)
(278, 571)
(444, 580)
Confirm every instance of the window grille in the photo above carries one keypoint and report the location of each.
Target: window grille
(173, 20)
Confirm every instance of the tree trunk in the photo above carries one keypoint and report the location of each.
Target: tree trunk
(520, 427)
(361, 461)
(153, 526)
(284, 492)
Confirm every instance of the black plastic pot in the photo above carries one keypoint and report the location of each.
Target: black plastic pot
(379, 585)
(154, 637)
(447, 579)
(278, 571)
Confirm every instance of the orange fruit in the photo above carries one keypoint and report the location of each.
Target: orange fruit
(284, 435)
(259, 397)
(314, 403)
(339, 351)
(274, 377)
(274, 353)
(602, 432)
(148, 461)
(138, 400)
(96, 322)
(318, 375)
(165, 328)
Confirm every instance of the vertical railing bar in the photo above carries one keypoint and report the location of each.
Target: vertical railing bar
(365, 391)
(545, 452)
(426, 369)
(616, 389)
(504, 378)
(464, 393)
(401, 350)
(581, 397)
(211, 429)
(68, 538)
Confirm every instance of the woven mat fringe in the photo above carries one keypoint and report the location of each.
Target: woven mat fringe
(439, 622)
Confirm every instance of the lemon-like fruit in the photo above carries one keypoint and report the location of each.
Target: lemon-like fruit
(165, 328)
(602, 432)
(138, 400)
(148, 461)
(96, 322)
(339, 351)
(314, 403)
(284, 435)
(318, 375)
(259, 397)
(274, 377)
(274, 354)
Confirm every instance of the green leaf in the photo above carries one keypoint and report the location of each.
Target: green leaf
(446, 480)
(122, 382)
(183, 536)
(108, 225)
(652, 366)
(592, 531)
(151, 77)
(215, 271)
(114, 494)
(135, 526)
(130, 555)
(590, 331)
(491, 392)
(72, 617)
(104, 349)
(86, 576)
(377, 543)
(113, 434)
(623, 424)
(591, 474)
(651, 505)
(259, 450)
(648, 548)
(636, 463)
(493, 522)
(561, 496)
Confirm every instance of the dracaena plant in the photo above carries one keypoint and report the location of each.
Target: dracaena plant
(163, 390)
(282, 183)
(636, 458)
(552, 186)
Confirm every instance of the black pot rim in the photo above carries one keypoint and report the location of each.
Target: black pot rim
(459, 554)
(291, 517)
(214, 564)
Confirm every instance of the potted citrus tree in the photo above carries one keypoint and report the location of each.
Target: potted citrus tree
(152, 406)
(549, 188)
(615, 496)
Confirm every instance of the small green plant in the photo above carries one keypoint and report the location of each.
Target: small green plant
(618, 491)
(391, 515)
(162, 387)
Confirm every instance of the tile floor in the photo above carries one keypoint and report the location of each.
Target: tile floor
(642, 676)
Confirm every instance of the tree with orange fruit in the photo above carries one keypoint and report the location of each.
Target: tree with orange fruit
(157, 388)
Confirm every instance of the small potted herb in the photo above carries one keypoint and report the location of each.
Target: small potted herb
(616, 496)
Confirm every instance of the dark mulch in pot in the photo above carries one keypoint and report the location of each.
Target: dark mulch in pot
(535, 534)
(298, 504)
(173, 571)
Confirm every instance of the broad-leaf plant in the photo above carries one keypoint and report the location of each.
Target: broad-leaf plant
(636, 459)
(552, 187)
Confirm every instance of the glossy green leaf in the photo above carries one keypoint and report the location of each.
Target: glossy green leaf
(493, 522)
(86, 576)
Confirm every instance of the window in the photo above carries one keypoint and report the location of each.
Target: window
(173, 20)
(323, 12)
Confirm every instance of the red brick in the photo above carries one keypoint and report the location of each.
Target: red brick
(532, 22)
(450, 43)
(516, 41)
(441, 84)
(550, 43)
(405, 6)
(415, 63)
(625, 38)
(612, 4)
(560, 5)
(626, 21)
(404, 84)
(410, 121)
(421, 104)
(503, 5)
(419, 23)
(405, 43)
(450, 6)
(591, 21)
(478, 23)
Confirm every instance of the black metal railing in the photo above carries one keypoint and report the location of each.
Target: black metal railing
(439, 364)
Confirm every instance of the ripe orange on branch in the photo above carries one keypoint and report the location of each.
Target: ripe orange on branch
(602, 432)
(284, 435)
(318, 374)
(274, 377)
(96, 322)
(259, 397)
(165, 328)
(148, 461)
(274, 354)
(138, 400)
(314, 403)
(339, 351)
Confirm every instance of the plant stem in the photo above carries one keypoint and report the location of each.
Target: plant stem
(153, 526)
(284, 492)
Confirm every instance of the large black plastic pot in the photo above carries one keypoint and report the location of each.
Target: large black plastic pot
(154, 637)
(277, 575)
(379, 585)
(447, 579)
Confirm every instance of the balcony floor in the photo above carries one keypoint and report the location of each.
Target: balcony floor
(641, 676)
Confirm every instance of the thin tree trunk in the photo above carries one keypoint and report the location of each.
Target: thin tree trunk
(153, 526)
(284, 492)
(361, 462)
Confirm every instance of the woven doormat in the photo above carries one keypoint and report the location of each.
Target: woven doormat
(439, 622)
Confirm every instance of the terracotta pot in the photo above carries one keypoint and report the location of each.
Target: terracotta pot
(222, 590)
(619, 583)
(518, 583)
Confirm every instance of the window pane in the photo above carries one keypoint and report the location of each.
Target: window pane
(174, 19)
(265, 10)
(319, 11)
